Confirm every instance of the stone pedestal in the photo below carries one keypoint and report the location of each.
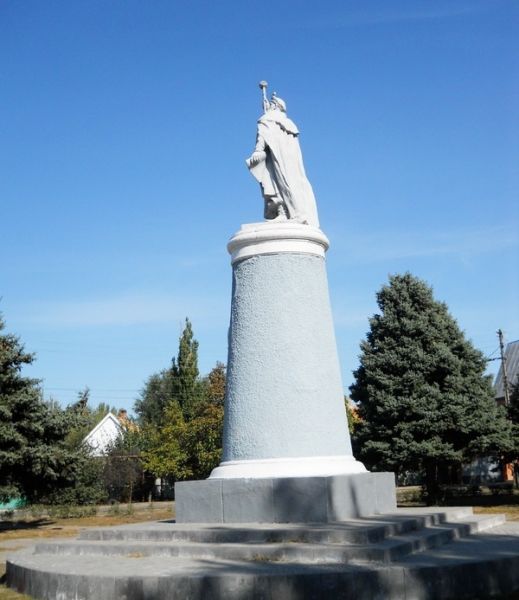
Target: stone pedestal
(285, 499)
(286, 443)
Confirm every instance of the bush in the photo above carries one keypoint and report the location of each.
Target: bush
(61, 511)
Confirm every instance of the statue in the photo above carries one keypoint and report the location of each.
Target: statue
(277, 164)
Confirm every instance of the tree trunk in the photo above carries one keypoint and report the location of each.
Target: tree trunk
(432, 485)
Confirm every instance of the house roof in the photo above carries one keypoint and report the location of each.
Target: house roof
(512, 369)
(104, 434)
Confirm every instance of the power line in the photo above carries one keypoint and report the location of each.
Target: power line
(78, 389)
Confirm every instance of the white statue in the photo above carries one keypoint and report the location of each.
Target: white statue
(277, 164)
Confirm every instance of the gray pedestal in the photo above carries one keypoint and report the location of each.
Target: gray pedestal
(286, 499)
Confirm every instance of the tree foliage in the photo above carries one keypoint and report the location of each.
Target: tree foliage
(83, 418)
(180, 383)
(183, 449)
(122, 472)
(216, 385)
(181, 416)
(154, 398)
(186, 388)
(424, 400)
(352, 416)
(513, 415)
(35, 460)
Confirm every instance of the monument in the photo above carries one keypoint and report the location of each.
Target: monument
(287, 470)
(287, 453)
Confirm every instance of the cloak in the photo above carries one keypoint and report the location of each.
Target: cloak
(282, 173)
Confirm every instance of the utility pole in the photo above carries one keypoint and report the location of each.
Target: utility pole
(503, 364)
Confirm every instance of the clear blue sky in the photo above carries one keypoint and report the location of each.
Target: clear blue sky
(124, 126)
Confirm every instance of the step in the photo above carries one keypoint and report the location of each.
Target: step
(454, 555)
(384, 550)
(484, 566)
(360, 531)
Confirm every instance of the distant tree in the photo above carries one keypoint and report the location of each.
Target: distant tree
(83, 418)
(162, 450)
(154, 398)
(122, 471)
(181, 384)
(184, 449)
(35, 460)
(352, 416)
(181, 416)
(216, 385)
(513, 415)
(187, 389)
(201, 442)
(423, 398)
(513, 409)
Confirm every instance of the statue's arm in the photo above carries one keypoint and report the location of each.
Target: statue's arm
(260, 151)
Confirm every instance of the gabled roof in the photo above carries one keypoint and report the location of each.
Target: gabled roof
(512, 369)
(104, 434)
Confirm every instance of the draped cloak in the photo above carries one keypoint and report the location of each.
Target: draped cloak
(282, 173)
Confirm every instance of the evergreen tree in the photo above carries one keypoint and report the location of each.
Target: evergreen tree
(34, 458)
(424, 400)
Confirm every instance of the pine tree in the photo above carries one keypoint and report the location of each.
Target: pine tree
(424, 401)
(34, 459)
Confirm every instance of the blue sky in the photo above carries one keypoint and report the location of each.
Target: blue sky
(124, 127)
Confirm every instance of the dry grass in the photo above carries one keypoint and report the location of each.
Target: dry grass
(8, 594)
(511, 511)
(46, 527)
(5, 592)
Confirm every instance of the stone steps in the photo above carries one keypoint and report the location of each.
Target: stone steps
(288, 549)
(412, 554)
(361, 531)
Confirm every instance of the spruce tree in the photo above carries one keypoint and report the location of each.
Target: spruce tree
(424, 401)
(34, 459)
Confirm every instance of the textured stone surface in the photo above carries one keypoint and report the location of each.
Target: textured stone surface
(285, 396)
(285, 499)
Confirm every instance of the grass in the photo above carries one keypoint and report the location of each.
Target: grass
(32, 527)
(44, 527)
(8, 594)
(511, 511)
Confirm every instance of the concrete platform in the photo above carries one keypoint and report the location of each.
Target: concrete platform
(417, 553)
(318, 499)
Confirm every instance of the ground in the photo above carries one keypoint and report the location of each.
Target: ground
(16, 534)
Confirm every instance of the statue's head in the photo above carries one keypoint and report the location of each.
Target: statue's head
(278, 103)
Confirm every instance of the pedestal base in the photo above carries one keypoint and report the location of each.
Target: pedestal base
(285, 499)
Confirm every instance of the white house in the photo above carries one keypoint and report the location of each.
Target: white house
(104, 434)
